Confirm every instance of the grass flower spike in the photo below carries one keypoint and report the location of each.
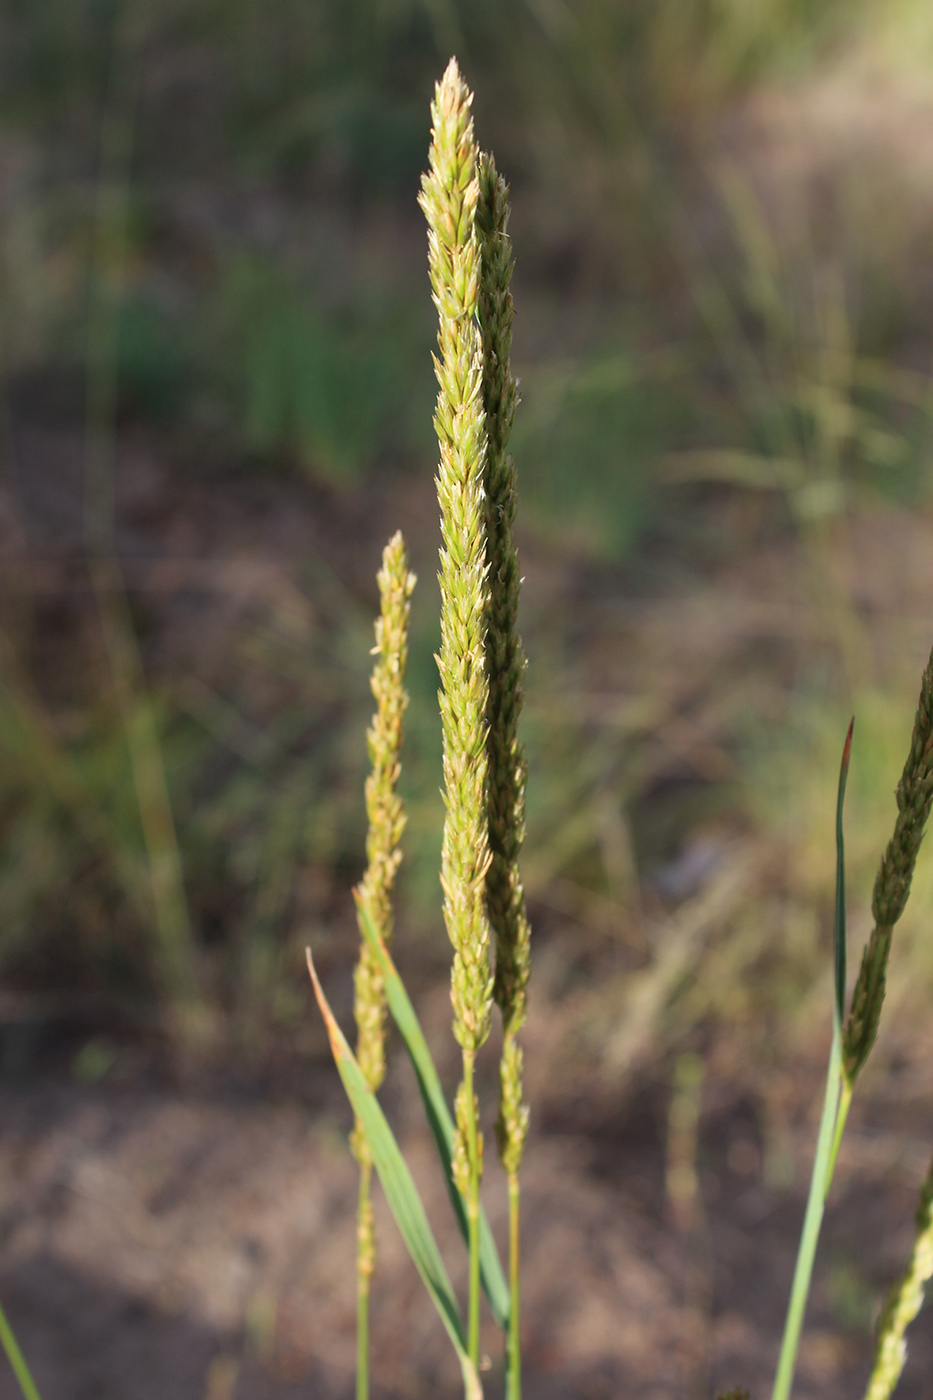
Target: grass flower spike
(384, 808)
(386, 817)
(505, 664)
(892, 883)
(448, 198)
(505, 899)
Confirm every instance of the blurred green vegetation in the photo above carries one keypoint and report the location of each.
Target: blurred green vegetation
(717, 358)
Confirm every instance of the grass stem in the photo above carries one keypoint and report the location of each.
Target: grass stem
(16, 1359)
(513, 1384)
(363, 1279)
(845, 1103)
(836, 1103)
(813, 1219)
(473, 1151)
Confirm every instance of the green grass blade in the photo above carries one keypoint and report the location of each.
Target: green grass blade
(813, 1219)
(16, 1359)
(439, 1118)
(839, 919)
(400, 1189)
(835, 1108)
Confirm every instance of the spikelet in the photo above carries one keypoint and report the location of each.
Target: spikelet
(892, 883)
(448, 199)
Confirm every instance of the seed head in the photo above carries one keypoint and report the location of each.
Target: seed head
(384, 807)
(892, 883)
(448, 198)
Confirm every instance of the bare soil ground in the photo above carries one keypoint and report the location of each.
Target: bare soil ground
(198, 1243)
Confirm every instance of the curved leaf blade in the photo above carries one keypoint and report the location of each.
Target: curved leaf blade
(400, 1190)
(438, 1115)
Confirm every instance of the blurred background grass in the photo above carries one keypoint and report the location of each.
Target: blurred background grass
(216, 405)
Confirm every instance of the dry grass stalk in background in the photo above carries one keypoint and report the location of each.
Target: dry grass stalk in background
(386, 815)
(448, 198)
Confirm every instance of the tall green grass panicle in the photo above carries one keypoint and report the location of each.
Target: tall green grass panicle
(448, 198)
(904, 1302)
(505, 665)
(892, 884)
(505, 658)
(386, 816)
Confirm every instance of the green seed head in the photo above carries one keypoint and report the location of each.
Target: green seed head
(448, 198)
(892, 883)
(505, 659)
(384, 807)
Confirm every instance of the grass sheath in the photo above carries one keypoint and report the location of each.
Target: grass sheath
(386, 816)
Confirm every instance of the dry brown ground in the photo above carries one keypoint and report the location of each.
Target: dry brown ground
(198, 1244)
